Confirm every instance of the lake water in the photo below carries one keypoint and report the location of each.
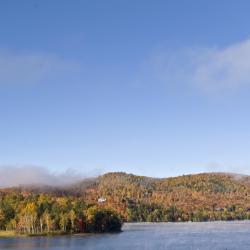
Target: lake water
(181, 236)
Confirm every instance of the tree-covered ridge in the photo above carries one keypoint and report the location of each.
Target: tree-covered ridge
(100, 204)
(209, 196)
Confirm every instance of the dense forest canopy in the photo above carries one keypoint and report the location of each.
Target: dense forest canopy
(46, 214)
(102, 204)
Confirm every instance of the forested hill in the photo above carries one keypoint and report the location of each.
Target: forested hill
(200, 197)
(190, 197)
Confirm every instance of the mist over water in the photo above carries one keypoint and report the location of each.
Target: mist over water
(149, 236)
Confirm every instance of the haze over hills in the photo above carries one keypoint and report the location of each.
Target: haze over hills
(138, 198)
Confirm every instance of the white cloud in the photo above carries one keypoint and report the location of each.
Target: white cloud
(33, 175)
(212, 70)
(30, 68)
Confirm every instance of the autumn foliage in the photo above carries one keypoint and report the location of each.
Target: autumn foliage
(127, 197)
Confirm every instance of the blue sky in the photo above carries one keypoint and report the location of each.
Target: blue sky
(156, 88)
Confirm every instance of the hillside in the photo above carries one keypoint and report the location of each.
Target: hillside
(200, 197)
(190, 197)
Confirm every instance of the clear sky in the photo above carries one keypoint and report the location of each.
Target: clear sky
(156, 88)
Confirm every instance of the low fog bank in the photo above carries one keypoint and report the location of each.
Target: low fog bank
(13, 176)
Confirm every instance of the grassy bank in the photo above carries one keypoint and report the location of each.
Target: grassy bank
(9, 233)
(4, 233)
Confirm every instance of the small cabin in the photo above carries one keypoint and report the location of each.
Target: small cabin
(219, 209)
(101, 200)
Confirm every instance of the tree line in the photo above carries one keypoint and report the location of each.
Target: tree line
(44, 214)
(158, 213)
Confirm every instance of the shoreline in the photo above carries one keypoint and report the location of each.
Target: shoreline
(13, 234)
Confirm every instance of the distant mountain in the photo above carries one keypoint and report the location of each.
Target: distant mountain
(205, 196)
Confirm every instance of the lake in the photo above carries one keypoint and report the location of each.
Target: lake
(181, 236)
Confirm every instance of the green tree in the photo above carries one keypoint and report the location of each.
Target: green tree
(103, 220)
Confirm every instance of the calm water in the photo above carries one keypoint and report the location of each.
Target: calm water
(181, 236)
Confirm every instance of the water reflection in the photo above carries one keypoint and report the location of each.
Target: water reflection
(181, 236)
